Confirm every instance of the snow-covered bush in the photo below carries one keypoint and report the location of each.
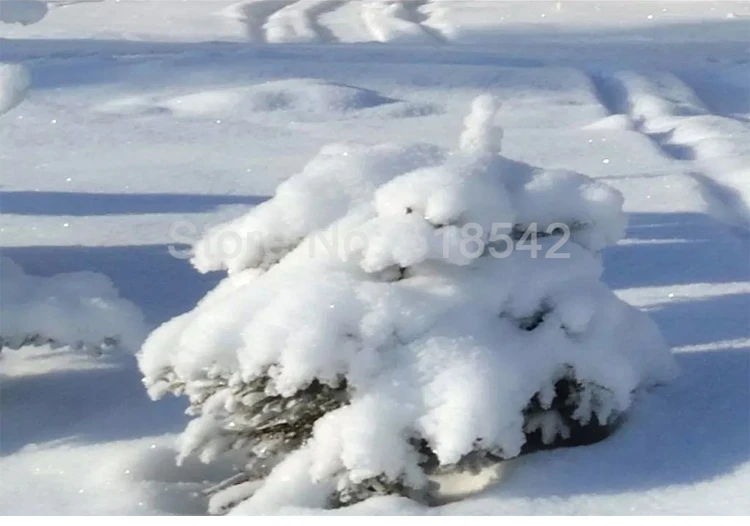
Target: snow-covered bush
(80, 309)
(388, 318)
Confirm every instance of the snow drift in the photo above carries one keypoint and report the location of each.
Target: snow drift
(398, 312)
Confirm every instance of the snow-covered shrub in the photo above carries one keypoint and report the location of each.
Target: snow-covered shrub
(374, 332)
(80, 309)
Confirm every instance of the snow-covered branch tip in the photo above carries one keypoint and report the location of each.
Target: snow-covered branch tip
(480, 136)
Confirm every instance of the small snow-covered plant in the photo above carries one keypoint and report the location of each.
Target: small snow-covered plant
(78, 309)
(389, 317)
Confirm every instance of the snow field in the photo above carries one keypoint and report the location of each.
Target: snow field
(101, 160)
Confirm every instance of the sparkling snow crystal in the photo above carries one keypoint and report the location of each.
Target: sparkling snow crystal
(398, 312)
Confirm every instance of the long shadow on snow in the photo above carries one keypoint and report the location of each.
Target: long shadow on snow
(676, 249)
(82, 405)
(99, 61)
(94, 204)
(705, 320)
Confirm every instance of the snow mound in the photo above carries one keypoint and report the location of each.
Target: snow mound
(24, 12)
(81, 309)
(14, 83)
(394, 22)
(671, 113)
(297, 22)
(301, 96)
(361, 345)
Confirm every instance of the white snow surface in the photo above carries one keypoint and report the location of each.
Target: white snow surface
(149, 123)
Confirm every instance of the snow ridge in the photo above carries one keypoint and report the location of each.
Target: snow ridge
(668, 111)
(398, 21)
(284, 21)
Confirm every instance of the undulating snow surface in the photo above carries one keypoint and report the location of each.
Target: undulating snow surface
(149, 123)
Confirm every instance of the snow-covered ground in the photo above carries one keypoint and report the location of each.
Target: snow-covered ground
(144, 115)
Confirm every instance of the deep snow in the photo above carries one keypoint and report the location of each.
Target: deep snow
(143, 114)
